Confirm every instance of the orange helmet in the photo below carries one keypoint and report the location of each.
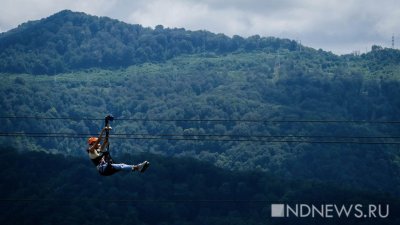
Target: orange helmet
(92, 140)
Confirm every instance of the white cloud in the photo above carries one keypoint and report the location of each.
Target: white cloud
(15, 12)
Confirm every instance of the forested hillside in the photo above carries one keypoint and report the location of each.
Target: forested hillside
(206, 88)
(240, 86)
(39, 188)
(69, 41)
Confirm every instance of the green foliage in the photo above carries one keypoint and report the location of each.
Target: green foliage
(235, 86)
(136, 72)
(69, 41)
(39, 188)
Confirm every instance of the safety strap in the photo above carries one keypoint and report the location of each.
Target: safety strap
(107, 119)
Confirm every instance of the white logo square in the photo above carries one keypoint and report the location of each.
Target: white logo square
(277, 210)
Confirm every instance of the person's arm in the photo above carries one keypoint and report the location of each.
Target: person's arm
(94, 146)
(105, 143)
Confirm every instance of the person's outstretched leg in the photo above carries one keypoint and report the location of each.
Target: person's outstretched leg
(141, 167)
(123, 167)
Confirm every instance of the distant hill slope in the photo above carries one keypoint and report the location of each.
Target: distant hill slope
(200, 75)
(236, 86)
(69, 41)
(40, 188)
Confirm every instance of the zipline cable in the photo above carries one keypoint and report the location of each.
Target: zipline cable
(117, 135)
(204, 120)
(208, 139)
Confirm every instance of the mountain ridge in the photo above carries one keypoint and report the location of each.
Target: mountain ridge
(190, 75)
(68, 41)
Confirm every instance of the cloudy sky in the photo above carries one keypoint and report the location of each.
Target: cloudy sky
(340, 26)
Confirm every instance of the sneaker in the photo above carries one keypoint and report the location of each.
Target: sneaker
(141, 167)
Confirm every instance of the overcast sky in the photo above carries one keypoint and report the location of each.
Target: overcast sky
(340, 26)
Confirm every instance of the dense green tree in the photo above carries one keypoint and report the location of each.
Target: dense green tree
(40, 188)
(69, 41)
(180, 74)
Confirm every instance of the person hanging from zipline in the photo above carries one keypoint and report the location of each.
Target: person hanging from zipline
(100, 156)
